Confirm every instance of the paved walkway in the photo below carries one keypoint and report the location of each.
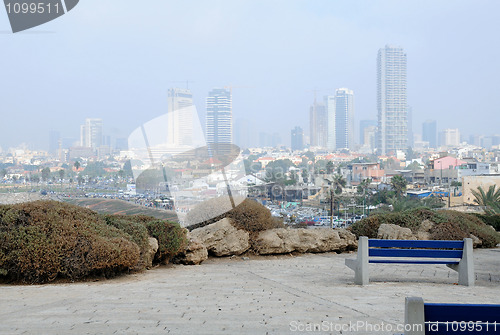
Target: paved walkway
(272, 295)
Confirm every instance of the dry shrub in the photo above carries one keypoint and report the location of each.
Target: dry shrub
(447, 231)
(248, 215)
(45, 239)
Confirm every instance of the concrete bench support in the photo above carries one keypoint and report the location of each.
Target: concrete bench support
(465, 268)
(360, 264)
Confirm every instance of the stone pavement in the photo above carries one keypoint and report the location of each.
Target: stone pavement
(312, 293)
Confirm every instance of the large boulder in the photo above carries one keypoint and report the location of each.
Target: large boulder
(222, 238)
(389, 231)
(194, 254)
(281, 240)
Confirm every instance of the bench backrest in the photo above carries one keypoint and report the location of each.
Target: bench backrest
(415, 248)
(452, 318)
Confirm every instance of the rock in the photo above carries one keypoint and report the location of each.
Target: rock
(195, 253)
(423, 235)
(281, 240)
(476, 241)
(151, 252)
(394, 232)
(426, 226)
(222, 238)
(350, 238)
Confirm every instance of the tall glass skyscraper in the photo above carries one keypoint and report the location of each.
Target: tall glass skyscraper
(180, 117)
(391, 100)
(219, 124)
(318, 123)
(429, 133)
(297, 137)
(344, 118)
(91, 133)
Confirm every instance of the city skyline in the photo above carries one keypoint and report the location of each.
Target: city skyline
(95, 64)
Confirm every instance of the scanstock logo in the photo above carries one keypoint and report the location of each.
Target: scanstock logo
(26, 14)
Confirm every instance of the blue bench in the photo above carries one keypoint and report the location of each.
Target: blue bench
(424, 318)
(455, 254)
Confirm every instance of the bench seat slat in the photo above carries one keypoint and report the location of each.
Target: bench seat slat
(409, 261)
(462, 312)
(444, 244)
(428, 253)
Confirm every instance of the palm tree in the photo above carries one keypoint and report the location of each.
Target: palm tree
(490, 200)
(338, 183)
(398, 184)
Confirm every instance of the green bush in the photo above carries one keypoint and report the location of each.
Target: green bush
(491, 220)
(448, 225)
(171, 238)
(42, 240)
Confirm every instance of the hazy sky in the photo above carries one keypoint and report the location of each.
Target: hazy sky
(115, 60)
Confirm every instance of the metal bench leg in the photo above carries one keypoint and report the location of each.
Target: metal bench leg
(414, 316)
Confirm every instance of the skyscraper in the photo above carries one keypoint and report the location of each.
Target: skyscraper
(365, 124)
(54, 142)
(429, 133)
(318, 123)
(450, 137)
(297, 137)
(344, 118)
(91, 133)
(219, 125)
(330, 110)
(180, 117)
(391, 100)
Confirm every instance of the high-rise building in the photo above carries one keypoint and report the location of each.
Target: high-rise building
(54, 142)
(219, 125)
(180, 117)
(318, 123)
(91, 133)
(410, 126)
(297, 139)
(365, 124)
(450, 138)
(429, 133)
(244, 133)
(330, 111)
(344, 118)
(391, 100)
(369, 134)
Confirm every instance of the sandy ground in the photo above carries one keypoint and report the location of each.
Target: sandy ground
(311, 293)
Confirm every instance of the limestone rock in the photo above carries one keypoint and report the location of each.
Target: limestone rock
(194, 254)
(476, 241)
(394, 232)
(281, 240)
(151, 252)
(426, 225)
(222, 238)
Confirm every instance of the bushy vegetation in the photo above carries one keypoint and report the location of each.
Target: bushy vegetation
(448, 225)
(248, 214)
(43, 240)
(492, 220)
